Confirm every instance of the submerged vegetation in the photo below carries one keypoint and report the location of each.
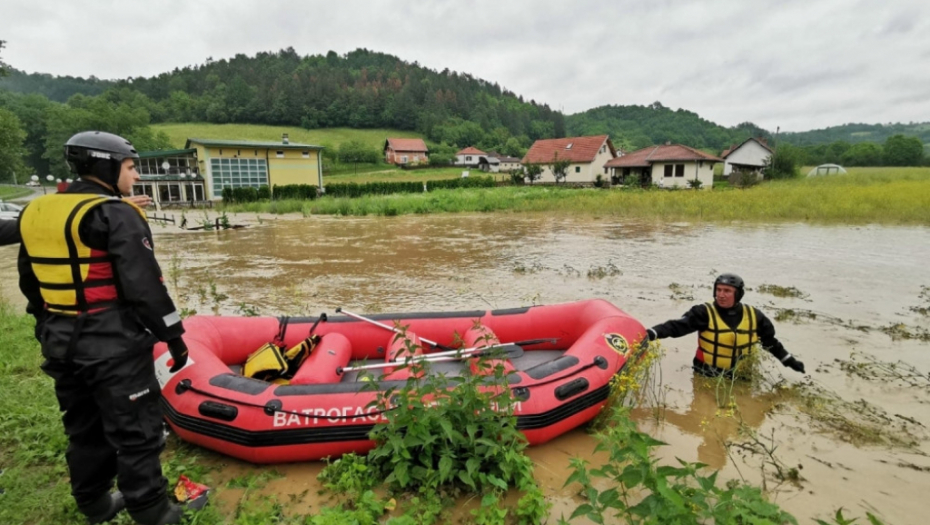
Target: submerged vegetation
(883, 196)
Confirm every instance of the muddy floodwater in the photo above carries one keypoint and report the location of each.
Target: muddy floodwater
(860, 294)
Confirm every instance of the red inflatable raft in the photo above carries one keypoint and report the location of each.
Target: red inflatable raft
(325, 411)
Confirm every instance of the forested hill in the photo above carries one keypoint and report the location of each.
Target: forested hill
(362, 89)
(58, 89)
(855, 133)
(635, 127)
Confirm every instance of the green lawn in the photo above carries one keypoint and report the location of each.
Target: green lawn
(13, 192)
(865, 195)
(329, 138)
(385, 173)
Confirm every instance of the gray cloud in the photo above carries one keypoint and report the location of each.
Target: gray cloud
(797, 64)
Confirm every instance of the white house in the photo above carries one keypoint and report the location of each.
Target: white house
(669, 165)
(508, 164)
(750, 156)
(586, 156)
(469, 157)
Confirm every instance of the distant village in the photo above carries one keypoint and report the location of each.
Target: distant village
(200, 171)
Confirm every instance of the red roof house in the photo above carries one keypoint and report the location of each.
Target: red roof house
(405, 151)
(587, 156)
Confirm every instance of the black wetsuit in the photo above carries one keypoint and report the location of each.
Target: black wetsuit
(105, 376)
(9, 232)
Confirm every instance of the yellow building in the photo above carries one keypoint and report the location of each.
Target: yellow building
(243, 163)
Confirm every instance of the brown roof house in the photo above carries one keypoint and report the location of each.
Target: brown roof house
(669, 165)
(751, 155)
(587, 156)
(405, 151)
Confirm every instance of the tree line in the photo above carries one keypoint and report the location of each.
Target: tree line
(896, 150)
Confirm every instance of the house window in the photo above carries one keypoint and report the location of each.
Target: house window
(569, 145)
(468, 159)
(306, 154)
(279, 154)
(403, 159)
(679, 170)
(577, 169)
(668, 170)
(238, 173)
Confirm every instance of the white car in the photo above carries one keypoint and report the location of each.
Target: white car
(9, 211)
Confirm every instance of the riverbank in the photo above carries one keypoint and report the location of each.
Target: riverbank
(864, 196)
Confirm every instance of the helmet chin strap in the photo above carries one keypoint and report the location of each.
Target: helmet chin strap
(96, 180)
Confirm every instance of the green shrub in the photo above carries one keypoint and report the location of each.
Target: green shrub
(633, 488)
(445, 436)
(295, 191)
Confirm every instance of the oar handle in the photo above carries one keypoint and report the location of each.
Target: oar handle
(506, 351)
(434, 344)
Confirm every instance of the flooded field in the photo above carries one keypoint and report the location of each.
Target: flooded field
(856, 300)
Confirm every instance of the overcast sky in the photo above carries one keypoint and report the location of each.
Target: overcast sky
(797, 64)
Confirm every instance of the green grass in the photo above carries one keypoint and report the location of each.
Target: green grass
(330, 137)
(865, 195)
(13, 192)
(386, 173)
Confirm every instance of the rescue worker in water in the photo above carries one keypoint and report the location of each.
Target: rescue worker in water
(88, 270)
(727, 330)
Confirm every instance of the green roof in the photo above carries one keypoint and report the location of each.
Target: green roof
(250, 144)
(166, 153)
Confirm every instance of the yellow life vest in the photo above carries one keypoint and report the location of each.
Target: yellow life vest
(721, 346)
(73, 277)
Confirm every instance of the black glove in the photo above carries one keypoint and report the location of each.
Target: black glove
(791, 362)
(179, 352)
(651, 334)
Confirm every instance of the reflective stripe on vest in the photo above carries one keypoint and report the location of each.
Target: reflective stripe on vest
(719, 344)
(73, 277)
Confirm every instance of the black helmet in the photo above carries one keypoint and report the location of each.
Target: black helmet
(731, 279)
(99, 154)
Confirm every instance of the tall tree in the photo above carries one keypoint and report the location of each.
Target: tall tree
(559, 167)
(3, 71)
(12, 135)
(903, 151)
(863, 154)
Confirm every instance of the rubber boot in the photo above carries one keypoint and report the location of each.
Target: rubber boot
(166, 512)
(105, 508)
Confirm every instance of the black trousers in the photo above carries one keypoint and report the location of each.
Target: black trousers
(113, 419)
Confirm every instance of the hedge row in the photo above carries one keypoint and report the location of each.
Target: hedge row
(351, 189)
(246, 194)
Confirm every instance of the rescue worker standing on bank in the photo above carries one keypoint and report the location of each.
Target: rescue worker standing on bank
(727, 330)
(89, 273)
